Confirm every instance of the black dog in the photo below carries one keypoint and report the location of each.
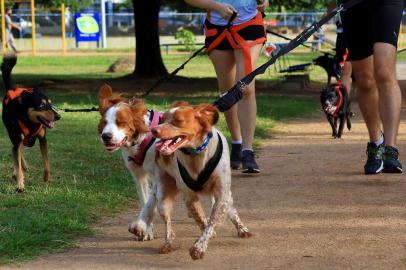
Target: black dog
(26, 114)
(330, 64)
(335, 103)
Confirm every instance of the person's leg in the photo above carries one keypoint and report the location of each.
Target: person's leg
(390, 102)
(368, 100)
(247, 108)
(224, 65)
(367, 96)
(390, 98)
(346, 76)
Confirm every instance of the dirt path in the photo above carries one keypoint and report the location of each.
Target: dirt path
(311, 208)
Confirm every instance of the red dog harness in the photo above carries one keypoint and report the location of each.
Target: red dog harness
(235, 40)
(28, 133)
(147, 142)
(340, 101)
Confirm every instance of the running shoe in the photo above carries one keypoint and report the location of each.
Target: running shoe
(248, 162)
(235, 156)
(374, 162)
(391, 163)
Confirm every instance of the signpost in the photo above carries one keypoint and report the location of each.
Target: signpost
(87, 27)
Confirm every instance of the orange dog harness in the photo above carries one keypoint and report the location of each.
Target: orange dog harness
(236, 41)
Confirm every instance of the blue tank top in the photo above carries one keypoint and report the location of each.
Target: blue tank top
(247, 9)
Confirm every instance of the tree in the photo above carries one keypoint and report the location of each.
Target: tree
(148, 59)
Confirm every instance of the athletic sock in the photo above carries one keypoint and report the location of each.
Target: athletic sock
(380, 141)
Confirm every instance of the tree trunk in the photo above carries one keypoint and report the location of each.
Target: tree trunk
(148, 59)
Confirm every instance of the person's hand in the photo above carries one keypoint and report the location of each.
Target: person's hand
(262, 5)
(226, 11)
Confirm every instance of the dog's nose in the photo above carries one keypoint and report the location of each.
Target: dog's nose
(57, 116)
(155, 132)
(106, 137)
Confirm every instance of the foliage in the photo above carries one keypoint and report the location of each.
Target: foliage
(186, 38)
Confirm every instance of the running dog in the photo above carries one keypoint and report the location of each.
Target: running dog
(194, 158)
(126, 125)
(336, 105)
(27, 113)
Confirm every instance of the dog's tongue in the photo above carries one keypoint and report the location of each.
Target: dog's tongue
(162, 145)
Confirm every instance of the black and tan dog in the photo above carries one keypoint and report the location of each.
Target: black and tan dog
(335, 103)
(27, 112)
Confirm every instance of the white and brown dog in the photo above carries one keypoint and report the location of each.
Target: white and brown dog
(194, 158)
(126, 125)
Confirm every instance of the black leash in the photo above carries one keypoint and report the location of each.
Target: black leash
(92, 109)
(289, 39)
(233, 95)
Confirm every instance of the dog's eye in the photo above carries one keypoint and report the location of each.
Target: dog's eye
(42, 106)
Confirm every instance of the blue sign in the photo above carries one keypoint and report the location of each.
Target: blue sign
(87, 27)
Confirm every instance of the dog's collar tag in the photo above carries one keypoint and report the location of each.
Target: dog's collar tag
(195, 151)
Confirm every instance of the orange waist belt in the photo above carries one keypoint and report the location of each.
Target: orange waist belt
(236, 41)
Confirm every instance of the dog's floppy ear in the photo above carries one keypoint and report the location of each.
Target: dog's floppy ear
(107, 98)
(207, 114)
(138, 110)
(179, 103)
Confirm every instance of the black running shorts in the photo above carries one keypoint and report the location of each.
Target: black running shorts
(370, 22)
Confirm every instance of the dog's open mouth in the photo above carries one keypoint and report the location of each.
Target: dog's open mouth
(114, 146)
(330, 109)
(168, 146)
(45, 122)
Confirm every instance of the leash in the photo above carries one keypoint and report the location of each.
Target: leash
(233, 95)
(290, 39)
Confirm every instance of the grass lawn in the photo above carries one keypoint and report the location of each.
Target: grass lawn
(87, 181)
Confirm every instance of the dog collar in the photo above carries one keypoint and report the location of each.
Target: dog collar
(148, 140)
(198, 183)
(340, 101)
(195, 151)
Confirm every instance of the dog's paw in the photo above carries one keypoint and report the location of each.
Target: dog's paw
(166, 248)
(20, 190)
(196, 252)
(245, 234)
(139, 230)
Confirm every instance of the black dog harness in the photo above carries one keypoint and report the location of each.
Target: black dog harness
(204, 175)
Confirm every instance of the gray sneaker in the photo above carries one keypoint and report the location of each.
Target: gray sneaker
(248, 162)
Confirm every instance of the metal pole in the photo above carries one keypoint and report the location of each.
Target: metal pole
(34, 36)
(103, 20)
(63, 28)
(3, 27)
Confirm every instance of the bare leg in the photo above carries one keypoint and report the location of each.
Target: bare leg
(247, 107)
(346, 77)
(390, 98)
(224, 65)
(368, 96)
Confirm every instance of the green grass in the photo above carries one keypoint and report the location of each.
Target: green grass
(87, 181)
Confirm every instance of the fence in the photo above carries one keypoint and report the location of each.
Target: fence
(120, 28)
